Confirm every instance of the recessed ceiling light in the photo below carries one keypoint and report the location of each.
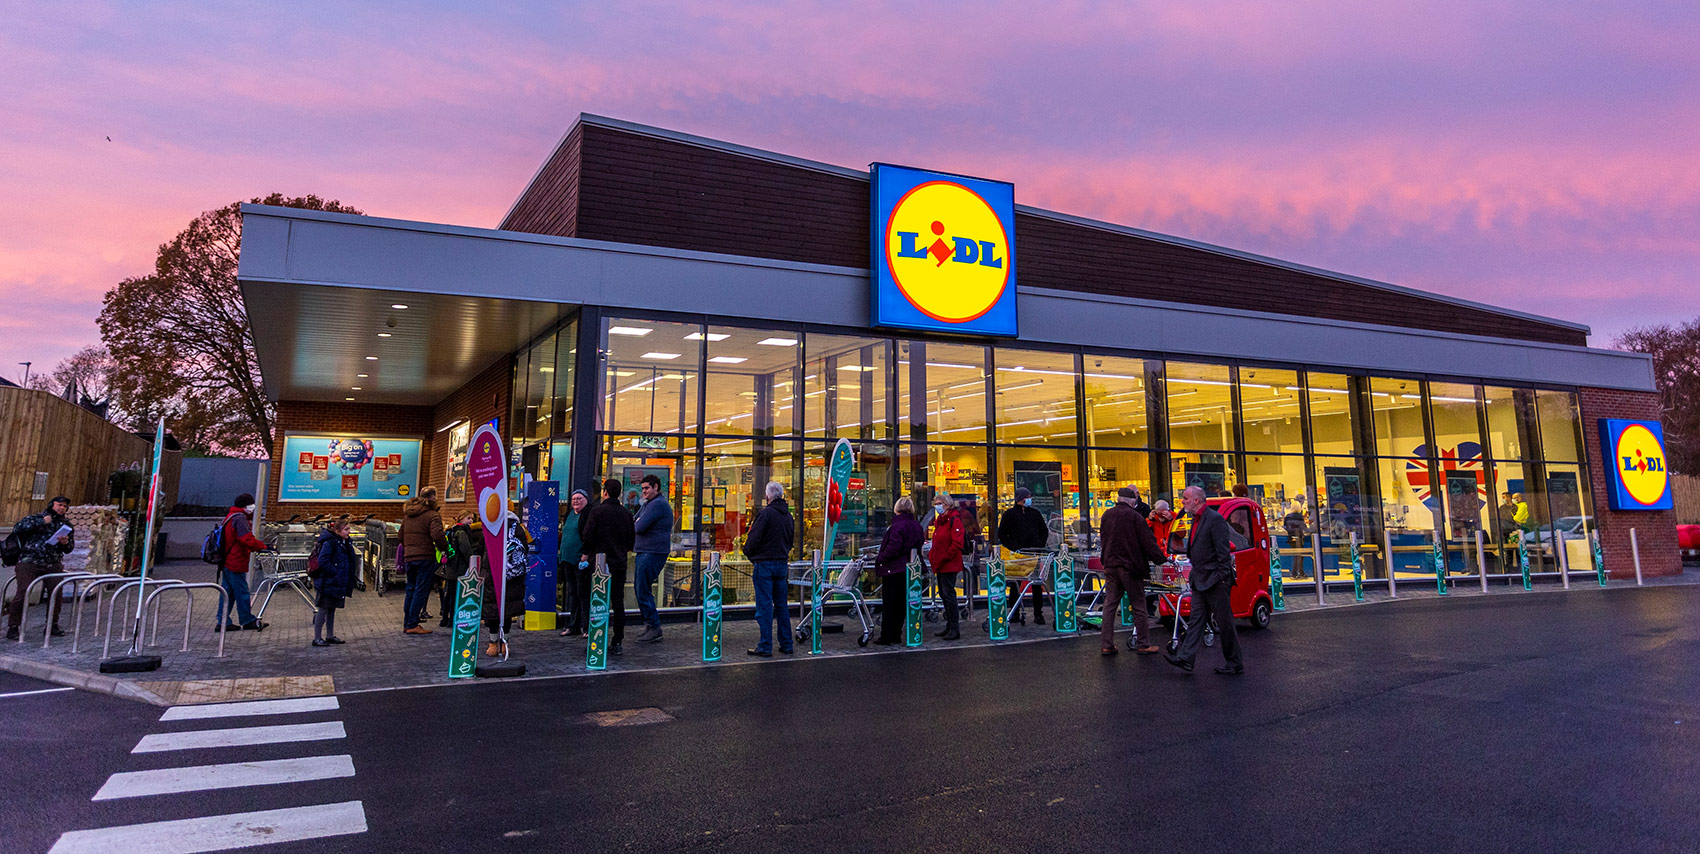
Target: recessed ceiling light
(661, 356)
(634, 331)
(371, 358)
(397, 305)
(545, 370)
(712, 336)
(778, 342)
(383, 335)
(354, 388)
(362, 376)
(728, 360)
(348, 398)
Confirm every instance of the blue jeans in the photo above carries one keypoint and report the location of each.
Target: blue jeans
(236, 584)
(771, 587)
(420, 574)
(648, 568)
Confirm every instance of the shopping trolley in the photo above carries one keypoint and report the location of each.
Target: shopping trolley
(1173, 587)
(845, 583)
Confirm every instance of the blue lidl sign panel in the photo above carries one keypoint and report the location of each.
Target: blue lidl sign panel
(943, 252)
(1637, 477)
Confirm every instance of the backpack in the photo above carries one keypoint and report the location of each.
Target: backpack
(313, 563)
(214, 549)
(11, 549)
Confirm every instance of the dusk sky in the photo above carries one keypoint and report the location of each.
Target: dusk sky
(1543, 156)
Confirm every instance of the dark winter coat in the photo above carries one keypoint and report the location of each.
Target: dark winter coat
(902, 538)
(336, 568)
(1210, 550)
(34, 530)
(772, 533)
(1022, 527)
(421, 532)
(1127, 542)
(608, 531)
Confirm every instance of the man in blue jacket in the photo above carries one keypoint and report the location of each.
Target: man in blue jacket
(768, 547)
(1212, 556)
(654, 530)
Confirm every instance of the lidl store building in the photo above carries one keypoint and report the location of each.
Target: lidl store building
(720, 316)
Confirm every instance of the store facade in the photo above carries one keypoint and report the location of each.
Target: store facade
(662, 304)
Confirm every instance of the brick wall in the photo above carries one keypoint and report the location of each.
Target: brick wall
(1655, 531)
(345, 418)
(487, 396)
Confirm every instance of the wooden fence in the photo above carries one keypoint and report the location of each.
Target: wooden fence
(1685, 492)
(76, 451)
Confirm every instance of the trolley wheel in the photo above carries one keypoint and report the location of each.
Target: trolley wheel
(803, 633)
(1260, 615)
(1209, 637)
(863, 640)
(1132, 641)
(930, 617)
(986, 626)
(1173, 645)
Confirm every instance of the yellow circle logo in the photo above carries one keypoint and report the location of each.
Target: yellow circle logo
(1641, 464)
(947, 251)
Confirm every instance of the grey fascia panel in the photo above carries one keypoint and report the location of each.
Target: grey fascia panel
(349, 251)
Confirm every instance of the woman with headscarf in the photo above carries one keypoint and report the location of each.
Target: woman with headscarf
(903, 537)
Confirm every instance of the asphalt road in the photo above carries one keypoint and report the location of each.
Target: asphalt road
(1544, 722)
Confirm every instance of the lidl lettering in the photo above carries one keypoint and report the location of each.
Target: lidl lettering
(967, 250)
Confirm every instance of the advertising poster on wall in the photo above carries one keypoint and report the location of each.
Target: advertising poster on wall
(1564, 494)
(1463, 503)
(631, 484)
(349, 468)
(459, 436)
(1344, 511)
(1044, 479)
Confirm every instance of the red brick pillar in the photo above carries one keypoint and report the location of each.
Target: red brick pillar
(1654, 530)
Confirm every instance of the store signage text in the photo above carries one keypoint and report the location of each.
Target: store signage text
(1635, 453)
(943, 252)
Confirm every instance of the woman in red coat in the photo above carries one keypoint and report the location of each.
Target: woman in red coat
(950, 540)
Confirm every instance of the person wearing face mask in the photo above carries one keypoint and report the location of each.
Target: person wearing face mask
(574, 568)
(950, 536)
(233, 575)
(1023, 527)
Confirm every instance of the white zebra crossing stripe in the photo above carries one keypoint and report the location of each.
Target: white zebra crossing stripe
(219, 832)
(240, 736)
(165, 781)
(254, 707)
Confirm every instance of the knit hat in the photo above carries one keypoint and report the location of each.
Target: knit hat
(1022, 493)
(1127, 492)
(580, 492)
(243, 500)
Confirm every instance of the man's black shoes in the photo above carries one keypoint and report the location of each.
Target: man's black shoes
(1177, 661)
(759, 653)
(1231, 670)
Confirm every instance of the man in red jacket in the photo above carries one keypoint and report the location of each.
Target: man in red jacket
(239, 542)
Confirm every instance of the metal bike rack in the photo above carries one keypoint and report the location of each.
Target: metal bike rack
(77, 592)
(141, 596)
(100, 588)
(24, 610)
(189, 588)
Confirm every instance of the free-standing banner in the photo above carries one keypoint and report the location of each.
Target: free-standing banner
(1523, 560)
(997, 600)
(147, 542)
(469, 607)
(1439, 566)
(1357, 571)
(711, 609)
(1275, 580)
(912, 602)
(601, 585)
(543, 520)
(1067, 596)
(1599, 558)
(837, 492)
(487, 471)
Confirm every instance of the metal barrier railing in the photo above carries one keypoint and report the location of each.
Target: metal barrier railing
(99, 602)
(189, 588)
(141, 595)
(77, 593)
(40, 580)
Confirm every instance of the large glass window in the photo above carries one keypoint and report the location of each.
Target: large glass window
(942, 390)
(1035, 397)
(845, 382)
(1572, 527)
(750, 375)
(566, 365)
(1269, 408)
(1110, 469)
(1332, 426)
(675, 462)
(1115, 390)
(1053, 476)
(1347, 505)
(1397, 406)
(1559, 420)
(649, 376)
(1507, 420)
(1457, 428)
(735, 474)
(1200, 401)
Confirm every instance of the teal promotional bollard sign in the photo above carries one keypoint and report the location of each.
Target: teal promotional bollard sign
(469, 606)
(601, 584)
(1439, 567)
(912, 599)
(997, 600)
(1275, 582)
(711, 609)
(1599, 559)
(814, 597)
(1357, 572)
(1126, 611)
(1068, 610)
(1523, 561)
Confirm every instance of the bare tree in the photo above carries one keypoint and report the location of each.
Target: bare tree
(1676, 370)
(180, 342)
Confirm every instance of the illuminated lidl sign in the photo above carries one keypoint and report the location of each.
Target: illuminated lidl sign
(1635, 459)
(943, 252)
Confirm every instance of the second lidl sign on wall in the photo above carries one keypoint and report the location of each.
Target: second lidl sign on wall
(943, 252)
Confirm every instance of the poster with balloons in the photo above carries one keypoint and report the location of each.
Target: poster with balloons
(323, 467)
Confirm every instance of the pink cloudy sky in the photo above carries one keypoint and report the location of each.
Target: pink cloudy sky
(1537, 155)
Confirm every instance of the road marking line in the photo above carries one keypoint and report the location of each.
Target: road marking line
(219, 832)
(240, 736)
(255, 707)
(196, 778)
(38, 691)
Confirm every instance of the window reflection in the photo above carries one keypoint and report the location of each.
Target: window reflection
(1397, 407)
(1559, 421)
(844, 383)
(748, 384)
(1332, 416)
(1200, 401)
(1035, 397)
(1269, 407)
(1115, 390)
(649, 377)
(943, 390)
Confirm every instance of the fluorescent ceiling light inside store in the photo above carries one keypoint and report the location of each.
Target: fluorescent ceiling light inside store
(778, 342)
(660, 356)
(727, 360)
(634, 331)
(712, 336)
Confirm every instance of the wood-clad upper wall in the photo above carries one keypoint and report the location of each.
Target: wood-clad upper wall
(79, 451)
(610, 184)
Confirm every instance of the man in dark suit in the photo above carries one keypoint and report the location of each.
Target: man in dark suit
(1212, 557)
